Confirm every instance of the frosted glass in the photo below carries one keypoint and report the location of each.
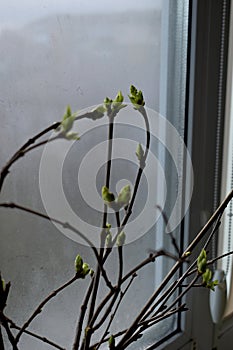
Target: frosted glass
(55, 53)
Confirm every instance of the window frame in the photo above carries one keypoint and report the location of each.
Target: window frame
(205, 112)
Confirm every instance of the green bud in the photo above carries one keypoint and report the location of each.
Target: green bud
(78, 264)
(107, 100)
(202, 255)
(67, 124)
(139, 152)
(133, 90)
(68, 113)
(124, 196)
(136, 97)
(107, 196)
(118, 101)
(140, 101)
(206, 276)
(85, 270)
(68, 120)
(111, 342)
(202, 266)
(119, 97)
(108, 226)
(188, 253)
(121, 239)
(202, 261)
(72, 136)
(108, 240)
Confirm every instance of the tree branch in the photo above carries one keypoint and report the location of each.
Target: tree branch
(122, 294)
(4, 323)
(82, 315)
(65, 225)
(173, 270)
(34, 335)
(21, 151)
(42, 304)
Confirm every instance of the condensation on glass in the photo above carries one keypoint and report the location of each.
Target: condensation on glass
(76, 52)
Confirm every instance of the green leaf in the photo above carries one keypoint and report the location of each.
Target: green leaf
(98, 112)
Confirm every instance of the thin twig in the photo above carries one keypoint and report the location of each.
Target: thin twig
(4, 323)
(168, 311)
(25, 148)
(189, 271)
(21, 151)
(128, 213)
(87, 339)
(151, 258)
(35, 335)
(42, 304)
(104, 301)
(82, 315)
(173, 270)
(66, 225)
(212, 261)
(122, 294)
(173, 240)
(215, 228)
(118, 334)
(147, 324)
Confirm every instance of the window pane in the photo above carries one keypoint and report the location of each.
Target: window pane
(225, 239)
(76, 52)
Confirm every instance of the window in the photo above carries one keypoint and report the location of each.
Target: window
(76, 52)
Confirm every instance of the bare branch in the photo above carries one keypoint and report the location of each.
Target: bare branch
(65, 225)
(35, 335)
(42, 304)
(82, 315)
